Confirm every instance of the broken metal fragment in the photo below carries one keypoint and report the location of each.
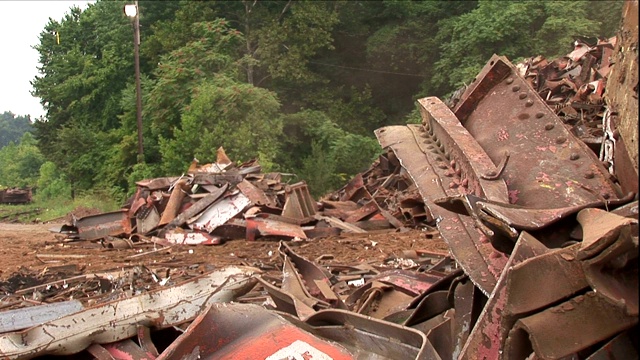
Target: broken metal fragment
(118, 320)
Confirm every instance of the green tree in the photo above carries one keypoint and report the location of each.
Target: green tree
(223, 112)
(514, 29)
(12, 127)
(20, 163)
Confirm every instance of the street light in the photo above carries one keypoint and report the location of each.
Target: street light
(131, 10)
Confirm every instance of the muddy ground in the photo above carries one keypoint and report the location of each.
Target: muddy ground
(30, 255)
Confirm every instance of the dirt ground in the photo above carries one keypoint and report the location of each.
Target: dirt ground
(30, 254)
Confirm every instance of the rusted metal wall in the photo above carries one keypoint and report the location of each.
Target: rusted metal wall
(622, 87)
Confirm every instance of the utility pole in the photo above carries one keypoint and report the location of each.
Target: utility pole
(133, 11)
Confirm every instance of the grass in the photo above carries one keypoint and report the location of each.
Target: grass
(44, 210)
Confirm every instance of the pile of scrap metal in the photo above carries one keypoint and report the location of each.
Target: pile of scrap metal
(541, 228)
(220, 201)
(543, 241)
(15, 196)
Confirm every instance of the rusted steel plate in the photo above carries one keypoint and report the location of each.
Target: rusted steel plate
(257, 196)
(471, 249)
(609, 252)
(246, 331)
(414, 283)
(362, 212)
(94, 227)
(558, 271)
(464, 156)
(487, 337)
(547, 164)
(257, 226)
(221, 211)
(118, 320)
(542, 333)
(298, 204)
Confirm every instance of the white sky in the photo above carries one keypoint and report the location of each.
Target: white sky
(20, 25)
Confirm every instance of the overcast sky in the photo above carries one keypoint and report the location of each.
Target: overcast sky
(20, 25)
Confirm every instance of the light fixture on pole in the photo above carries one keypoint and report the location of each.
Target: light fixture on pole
(132, 11)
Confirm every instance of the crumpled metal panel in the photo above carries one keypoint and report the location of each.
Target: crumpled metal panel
(547, 164)
(257, 226)
(470, 248)
(118, 320)
(304, 278)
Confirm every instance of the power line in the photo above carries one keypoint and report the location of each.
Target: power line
(368, 70)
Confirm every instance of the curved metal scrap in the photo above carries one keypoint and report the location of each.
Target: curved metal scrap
(429, 169)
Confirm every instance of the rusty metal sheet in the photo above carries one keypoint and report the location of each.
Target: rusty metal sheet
(558, 271)
(411, 282)
(118, 320)
(471, 249)
(257, 196)
(487, 336)
(464, 298)
(157, 183)
(95, 227)
(221, 211)
(298, 204)
(464, 158)
(247, 331)
(175, 200)
(362, 212)
(608, 254)
(547, 164)
(541, 332)
(519, 217)
(217, 179)
(257, 226)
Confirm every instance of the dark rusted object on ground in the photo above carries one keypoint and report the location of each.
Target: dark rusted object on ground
(107, 224)
(15, 196)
